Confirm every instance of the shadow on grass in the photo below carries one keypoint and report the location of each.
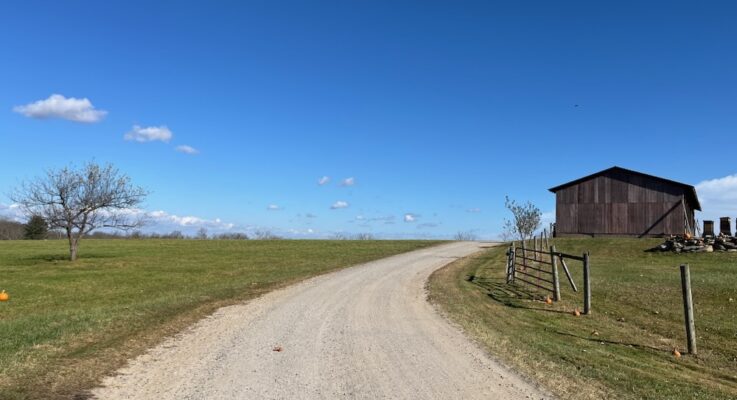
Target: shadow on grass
(510, 295)
(61, 257)
(614, 342)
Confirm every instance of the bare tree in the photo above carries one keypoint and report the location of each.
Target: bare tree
(265, 234)
(79, 201)
(341, 236)
(363, 236)
(526, 219)
(465, 236)
(175, 235)
(201, 234)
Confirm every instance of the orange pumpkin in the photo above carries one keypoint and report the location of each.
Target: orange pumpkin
(4, 296)
(676, 353)
(576, 312)
(548, 300)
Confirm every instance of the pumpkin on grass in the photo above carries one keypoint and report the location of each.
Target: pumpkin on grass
(4, 296)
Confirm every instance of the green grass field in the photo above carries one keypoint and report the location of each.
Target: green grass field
(624, 349)
(68, 324)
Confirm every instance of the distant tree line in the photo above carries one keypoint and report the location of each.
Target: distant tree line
(37, 229)
(11, 230)
(357, 236)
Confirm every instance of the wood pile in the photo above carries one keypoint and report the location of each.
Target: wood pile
(708, 244)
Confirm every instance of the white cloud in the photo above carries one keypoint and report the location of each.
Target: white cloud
(186, 149)
(297, 233)
(12, 212)
(547, 218)
(718, 197)
(273, 207)
(339, 204)
(348, 181)
(163, 222)
(58, 106)
(410, 217)
(474, 210)
(323, 181)
(149, 134)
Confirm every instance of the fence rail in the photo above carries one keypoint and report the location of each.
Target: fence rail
(539, 268)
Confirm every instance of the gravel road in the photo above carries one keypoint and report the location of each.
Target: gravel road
(366, 332)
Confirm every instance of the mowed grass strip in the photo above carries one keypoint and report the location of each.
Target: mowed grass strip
(68, 324)
(624, 349)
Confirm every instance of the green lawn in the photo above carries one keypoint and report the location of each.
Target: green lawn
(624, 349)
(68, 324)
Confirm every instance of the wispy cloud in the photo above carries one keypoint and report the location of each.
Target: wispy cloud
(149, 134)
(348, 181)
(410, 217)
(339, 204)
(162, 221)
(473, 210)
(428, 225)
(273, 207)
(310, 215)
(12, 212)
(387, 219)
(323, 181)
(58, 106)
(186, 149)
(718, 197)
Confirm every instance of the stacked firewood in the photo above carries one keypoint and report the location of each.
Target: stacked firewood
(687, 244)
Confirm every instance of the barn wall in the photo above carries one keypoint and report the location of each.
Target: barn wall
(618, 203)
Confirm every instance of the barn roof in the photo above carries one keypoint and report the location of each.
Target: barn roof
(690, 191)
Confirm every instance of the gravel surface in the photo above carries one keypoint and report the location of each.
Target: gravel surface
(366, 332)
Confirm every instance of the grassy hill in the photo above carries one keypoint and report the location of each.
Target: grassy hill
(624, 349)
(67, 324)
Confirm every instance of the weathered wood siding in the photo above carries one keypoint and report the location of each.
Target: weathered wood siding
(617, 203)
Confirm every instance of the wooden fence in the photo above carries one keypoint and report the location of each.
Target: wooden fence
(530, 264)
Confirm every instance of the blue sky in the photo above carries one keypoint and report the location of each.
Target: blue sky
(435, 109)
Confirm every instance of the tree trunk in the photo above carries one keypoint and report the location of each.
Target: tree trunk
(72, 245)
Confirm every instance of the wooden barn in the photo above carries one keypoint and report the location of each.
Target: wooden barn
(622, 202)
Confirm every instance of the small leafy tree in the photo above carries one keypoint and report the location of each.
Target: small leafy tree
(36, 228)
(525, 219)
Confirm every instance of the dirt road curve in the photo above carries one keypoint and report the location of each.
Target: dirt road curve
(364, 332)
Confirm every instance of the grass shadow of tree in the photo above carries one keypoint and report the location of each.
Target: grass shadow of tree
(34, 259)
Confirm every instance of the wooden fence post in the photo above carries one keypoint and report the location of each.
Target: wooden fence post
(524, 255)
(556, 284)
(510, 261)
(513, 272)
(586, 285)
(688, 308)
